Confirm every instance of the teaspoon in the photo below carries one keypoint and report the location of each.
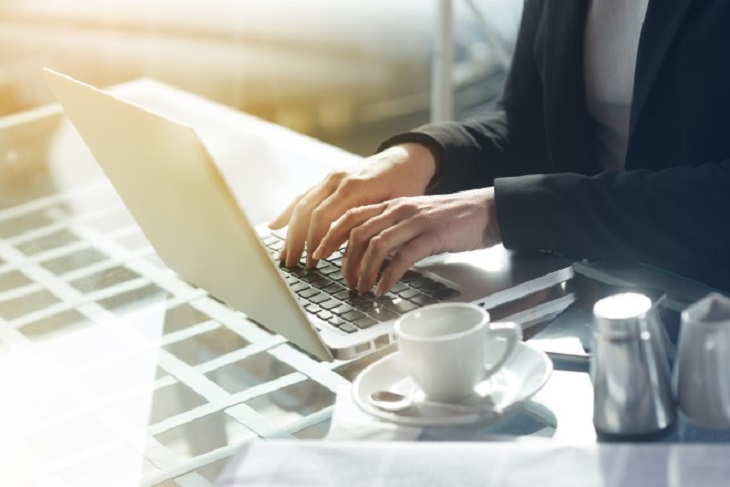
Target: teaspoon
(395, 402)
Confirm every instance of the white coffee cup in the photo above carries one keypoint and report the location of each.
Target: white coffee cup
(449, 348)
(702, 369)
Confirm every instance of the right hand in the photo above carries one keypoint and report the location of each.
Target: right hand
(400, 170)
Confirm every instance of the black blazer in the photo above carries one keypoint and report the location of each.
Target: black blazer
(670, 207)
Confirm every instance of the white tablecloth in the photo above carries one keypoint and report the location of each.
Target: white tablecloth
(431, 464)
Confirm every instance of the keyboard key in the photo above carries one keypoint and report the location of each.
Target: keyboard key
(423, 299)
(342, 309)
(307, 293)
(349, 328)
(398, 287)
(355, 298)
(409, 293)
(296, 270)
(337, 276)
(345, 295)
(278, 245)
(291, 279)
(312, 308)
(365, 322)
(336, 321)
(322, 284)
(381, 313)
(324, 315)
(410, 276)
(385, 298)
(334, 288)
(327, 269)
(421, 282)
(312, 277)
(445, 293)
(330, 304)
(298, 286)
(433, 286)
(353, 315)
(366, 305)
(401, 306)
(319, 298)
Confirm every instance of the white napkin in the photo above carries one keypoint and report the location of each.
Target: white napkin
(349, 422)
(562, 410)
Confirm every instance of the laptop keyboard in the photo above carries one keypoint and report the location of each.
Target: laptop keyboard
(322, 292)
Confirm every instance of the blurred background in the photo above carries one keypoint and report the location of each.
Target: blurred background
(347, 72)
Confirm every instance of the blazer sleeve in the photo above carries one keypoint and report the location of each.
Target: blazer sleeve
(677, 218)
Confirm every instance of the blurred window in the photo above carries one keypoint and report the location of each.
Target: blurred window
(350, 73)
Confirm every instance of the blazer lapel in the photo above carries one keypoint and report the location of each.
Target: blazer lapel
(663, 19)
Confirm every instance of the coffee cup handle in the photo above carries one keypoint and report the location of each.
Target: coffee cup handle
(511, 333)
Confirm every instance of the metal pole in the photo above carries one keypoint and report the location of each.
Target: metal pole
(442, 93)
(499, 50)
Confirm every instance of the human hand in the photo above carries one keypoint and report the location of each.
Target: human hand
(401, 170)
(406, 230)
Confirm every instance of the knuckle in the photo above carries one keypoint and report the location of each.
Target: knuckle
(357, 234)
(350, 214)
(319, 213)
(378, 245)
(403, 206)
(335, 177)
(298, 212)
(349, 184)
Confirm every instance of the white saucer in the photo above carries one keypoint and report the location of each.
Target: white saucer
(525, 373)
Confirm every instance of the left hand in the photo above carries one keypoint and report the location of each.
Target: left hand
(406, 230)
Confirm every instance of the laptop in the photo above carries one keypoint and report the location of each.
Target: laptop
(177, 193)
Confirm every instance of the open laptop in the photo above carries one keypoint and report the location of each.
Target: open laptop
(176, 192)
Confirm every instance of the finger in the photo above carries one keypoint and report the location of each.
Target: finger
(410, 253)
(330, 210)
(360, 226)
(299, 223)
(283, 218)
(380, 247)
(348, 196)
(339, 232)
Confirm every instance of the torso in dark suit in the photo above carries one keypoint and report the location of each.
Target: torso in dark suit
(671, 206)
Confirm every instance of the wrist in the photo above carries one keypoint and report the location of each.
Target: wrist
(492, 233)
(422, 162)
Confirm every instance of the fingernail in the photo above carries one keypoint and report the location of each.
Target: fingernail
(317, 254)
(378, 291)
(274, 223)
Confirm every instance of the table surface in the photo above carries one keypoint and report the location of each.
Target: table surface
(114, 371)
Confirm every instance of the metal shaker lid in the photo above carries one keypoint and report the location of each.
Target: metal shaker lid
(621, 314)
